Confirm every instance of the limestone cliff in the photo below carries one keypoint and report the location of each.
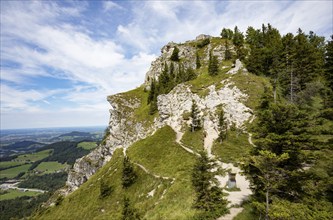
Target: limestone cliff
(127, 125)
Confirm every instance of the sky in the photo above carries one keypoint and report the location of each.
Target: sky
(61, 59)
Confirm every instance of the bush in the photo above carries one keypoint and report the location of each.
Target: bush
(105, 190)
(203, 43)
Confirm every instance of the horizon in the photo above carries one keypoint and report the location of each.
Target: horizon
(61, 59)
(69, 127)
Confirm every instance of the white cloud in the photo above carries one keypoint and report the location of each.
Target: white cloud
(43, 39)
(109, 5)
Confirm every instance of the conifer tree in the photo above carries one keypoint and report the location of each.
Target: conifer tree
(129, 176)
(152, 91)
(195, 115)
(223, 126)
(227, 53)
(174, 55)
(129, 212)
(209, 197)
(213, 67)
(197, 61)
(227, 33)
(329, 63)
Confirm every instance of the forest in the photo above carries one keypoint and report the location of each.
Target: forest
(291, 167)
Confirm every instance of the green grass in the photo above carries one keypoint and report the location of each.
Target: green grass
(34, 156)
(13, 193)
(204, 80)
(50, 167)
(13, 172)
(232, 149)
(251, 85)
(161, 155)
(87, 145)
(138, 113)
(246, 214)
(6, 164)
(194, 140)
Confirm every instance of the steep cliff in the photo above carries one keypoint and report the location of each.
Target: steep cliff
(129, 118)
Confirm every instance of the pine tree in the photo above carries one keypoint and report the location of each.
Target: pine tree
(269, 173)
(227, 33)
(128, 175)
(129, 212)
(195, 115)
(152, 91)
(329, 63)
(209, 197)
(223, 126)
(213, 67)
(227, 53)
(174, 55)
(197, 61)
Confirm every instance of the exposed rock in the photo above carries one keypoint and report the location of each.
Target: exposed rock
(125, 129)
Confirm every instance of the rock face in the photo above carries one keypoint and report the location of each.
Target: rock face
(125, 128)
(186, 52)
(178, 102)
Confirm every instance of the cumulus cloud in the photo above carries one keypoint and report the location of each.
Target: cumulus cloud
(58, 41)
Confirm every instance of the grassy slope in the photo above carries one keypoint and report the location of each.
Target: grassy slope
(13, 172)
(161, 155)
(232, 149)
(87, 145)
(50, 167)
(194, 140)
(34, 156)
(12, 194)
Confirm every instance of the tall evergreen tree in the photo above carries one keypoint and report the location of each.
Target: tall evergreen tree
(329, 63)
(227, 53)
(195, 115)
(213, 65)
(197, 61)
(128, 175)
(174, 55)
(223, 126)
(152, 91)
(129, 212)
(209, 197)
(227, 33)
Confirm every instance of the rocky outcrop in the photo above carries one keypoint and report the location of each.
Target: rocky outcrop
(173, 106)
(124, 131)
(125, 128)
(187, 54)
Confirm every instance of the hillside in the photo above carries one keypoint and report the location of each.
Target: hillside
(203, 96)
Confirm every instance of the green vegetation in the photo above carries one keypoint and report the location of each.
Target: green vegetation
(174, 55)
(213, 65)
(48, 182)
(194, 140)
(50, 167)
(129, 176)
(14, 193)
(209, 197)
(248, 213)
(34, 156)
(160, 155)
(8, 164)
(200, 84)
(251, 85)
(87, 145)
(195, 116)
(234, 148)
(14, 172)
(20, 207)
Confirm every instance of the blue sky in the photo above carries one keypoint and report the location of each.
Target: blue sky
(60, 59)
